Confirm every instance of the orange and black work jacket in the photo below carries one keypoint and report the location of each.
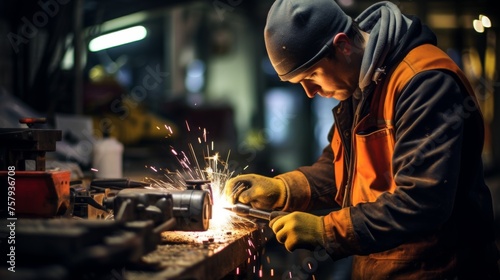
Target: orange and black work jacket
(406, 166)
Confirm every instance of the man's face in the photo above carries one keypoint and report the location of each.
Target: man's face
(330, 78)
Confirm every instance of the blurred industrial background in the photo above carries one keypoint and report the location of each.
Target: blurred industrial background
(198, 68)
(203, 62)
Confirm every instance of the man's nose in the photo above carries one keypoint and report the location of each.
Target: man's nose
(309, 88)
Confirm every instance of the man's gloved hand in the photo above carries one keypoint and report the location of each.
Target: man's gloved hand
(260, 192)
(299, 230)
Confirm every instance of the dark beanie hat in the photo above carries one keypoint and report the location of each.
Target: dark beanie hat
(298, 33)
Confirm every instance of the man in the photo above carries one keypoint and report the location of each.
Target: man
(404, 165)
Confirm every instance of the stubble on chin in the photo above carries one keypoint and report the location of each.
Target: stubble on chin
(340, 95)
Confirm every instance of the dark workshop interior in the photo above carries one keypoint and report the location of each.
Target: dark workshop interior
(194, 84)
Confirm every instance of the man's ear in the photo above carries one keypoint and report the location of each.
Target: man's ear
(341, 40)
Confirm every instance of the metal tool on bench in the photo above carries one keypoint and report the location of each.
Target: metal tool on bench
(245, 210)
(67, 248)
(186, 210)
(87, 199)
(39, 192)
(117, 183)
(86, 202)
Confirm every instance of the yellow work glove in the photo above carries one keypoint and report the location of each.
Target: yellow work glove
(259, 191)
(299, 230)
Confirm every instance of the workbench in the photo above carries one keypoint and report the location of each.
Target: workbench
(210, 255)
(231, 253)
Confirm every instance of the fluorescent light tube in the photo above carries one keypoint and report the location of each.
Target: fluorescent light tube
(118, 38)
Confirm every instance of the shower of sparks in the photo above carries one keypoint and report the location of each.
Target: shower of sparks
(215, 170)
(209, 166)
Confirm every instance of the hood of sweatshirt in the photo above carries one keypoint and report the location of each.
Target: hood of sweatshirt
(392, 36)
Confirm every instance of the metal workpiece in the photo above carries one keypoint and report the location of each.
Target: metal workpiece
(246, 210)
(185, 210)
(87, 198)
(142, 205)
(192, 210)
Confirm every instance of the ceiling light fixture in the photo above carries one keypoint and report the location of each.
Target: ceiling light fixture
(481, 23)
(117, 38)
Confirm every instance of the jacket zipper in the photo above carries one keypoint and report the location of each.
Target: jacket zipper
(348, 187)
(346, 157)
